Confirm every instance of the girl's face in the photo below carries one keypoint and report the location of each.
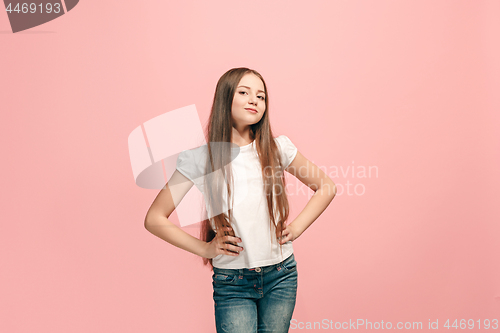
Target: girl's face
(249, 102)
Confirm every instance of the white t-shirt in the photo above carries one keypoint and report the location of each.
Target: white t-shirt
(250, 217)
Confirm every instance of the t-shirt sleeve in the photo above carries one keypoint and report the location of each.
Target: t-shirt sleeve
(186, 165)
(287, 149)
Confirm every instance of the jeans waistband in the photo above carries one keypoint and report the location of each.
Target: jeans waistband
(254, 270)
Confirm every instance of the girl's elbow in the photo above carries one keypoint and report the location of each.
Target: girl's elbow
(331, 188)
(146, 223)
(149, 220)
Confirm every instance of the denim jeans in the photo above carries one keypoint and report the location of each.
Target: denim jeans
(259, 299)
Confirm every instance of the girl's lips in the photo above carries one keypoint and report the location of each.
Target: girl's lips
(253, 111)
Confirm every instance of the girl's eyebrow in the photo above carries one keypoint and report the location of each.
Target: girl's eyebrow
(249, 88)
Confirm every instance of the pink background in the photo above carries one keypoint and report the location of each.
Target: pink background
(411, 87)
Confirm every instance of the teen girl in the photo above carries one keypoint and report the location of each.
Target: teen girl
(248, 245)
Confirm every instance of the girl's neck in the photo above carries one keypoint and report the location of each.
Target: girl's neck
(242, 137)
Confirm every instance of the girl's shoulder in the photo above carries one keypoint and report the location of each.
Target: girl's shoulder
(192, 161)
(288, 150)
(284, 141)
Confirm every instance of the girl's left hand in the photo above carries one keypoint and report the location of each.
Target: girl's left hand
(287, 235)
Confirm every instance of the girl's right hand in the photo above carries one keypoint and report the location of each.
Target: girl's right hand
(223, 245)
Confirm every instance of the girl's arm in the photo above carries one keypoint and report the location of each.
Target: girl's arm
(157, 221)
(324, 188)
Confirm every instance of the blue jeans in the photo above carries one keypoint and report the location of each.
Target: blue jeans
(258, 299)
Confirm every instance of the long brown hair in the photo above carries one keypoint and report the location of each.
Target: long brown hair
(219, 129)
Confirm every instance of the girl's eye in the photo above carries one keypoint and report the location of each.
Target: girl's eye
(261, 97)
